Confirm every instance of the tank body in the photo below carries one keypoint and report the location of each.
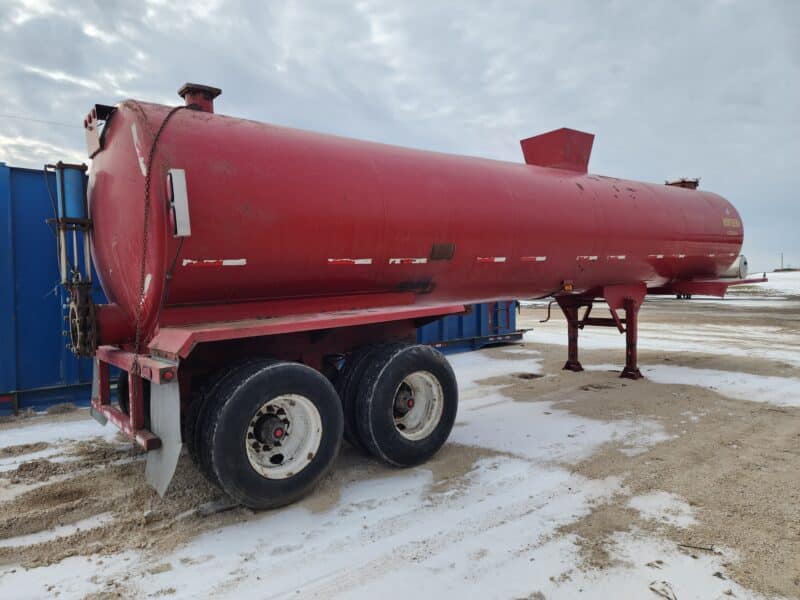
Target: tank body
(280, 213)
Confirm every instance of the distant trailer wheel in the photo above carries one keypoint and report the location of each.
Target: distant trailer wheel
(271, 433)
(406, 404)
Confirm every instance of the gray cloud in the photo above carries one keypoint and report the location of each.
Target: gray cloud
(705, 88)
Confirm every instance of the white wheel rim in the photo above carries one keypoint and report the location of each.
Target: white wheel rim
(424, 393)
(299, 424)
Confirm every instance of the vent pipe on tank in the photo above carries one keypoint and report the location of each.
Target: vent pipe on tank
(199, 97)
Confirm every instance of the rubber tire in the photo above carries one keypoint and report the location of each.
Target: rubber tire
(375, 404)
(202, 435)
(123, 397)
(237, 399)
(347, 388)
(196, 411)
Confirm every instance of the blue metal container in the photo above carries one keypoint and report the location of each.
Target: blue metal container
(36, 369)
(485, 324)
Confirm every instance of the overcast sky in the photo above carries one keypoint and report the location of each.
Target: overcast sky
(706, 89)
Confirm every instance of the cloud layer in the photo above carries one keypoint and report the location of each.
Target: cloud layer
(671, 89)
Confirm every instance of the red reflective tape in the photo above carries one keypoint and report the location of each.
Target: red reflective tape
(490, 259)
(533, 258)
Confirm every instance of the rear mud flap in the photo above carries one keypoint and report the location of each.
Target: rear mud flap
(165, 422)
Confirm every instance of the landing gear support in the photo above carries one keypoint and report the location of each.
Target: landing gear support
(570, 306)
(618, 297)
(631, 370)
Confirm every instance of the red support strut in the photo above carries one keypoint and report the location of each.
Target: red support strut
(570, 305)
(631, 370)
(628, 297)
(571, 314)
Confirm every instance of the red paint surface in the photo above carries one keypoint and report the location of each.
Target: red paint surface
(287, 201)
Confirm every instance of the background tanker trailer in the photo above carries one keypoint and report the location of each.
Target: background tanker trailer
(265, 283)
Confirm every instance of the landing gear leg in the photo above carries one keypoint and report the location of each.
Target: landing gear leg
(571, 314)
(631, 370)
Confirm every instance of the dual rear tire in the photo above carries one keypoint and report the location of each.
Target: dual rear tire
(267, 431)
(404, 404)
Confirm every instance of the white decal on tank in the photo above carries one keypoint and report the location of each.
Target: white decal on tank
(138, 146)
(349, 261)
(214, 262)
(616, 257)
(712, 255)
(147, 280)
(408, 261)
(490, 259)
(533, 258)
(657, 256)
(585, 257)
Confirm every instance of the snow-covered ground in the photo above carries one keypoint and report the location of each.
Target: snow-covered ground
(489, 528)
(492, 533)
(785, 282)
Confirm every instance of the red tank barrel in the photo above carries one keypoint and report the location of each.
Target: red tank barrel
(244, 212)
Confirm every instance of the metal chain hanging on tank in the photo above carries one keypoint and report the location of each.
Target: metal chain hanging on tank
(145, 238)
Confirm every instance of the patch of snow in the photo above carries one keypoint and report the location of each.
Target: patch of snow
(648, 560)
(471, 367)
(664, 507)
(73, 577)
(787, 282)
(537, 431)
(56, 432)
(9, 463)
(57, 532)
(778, 391)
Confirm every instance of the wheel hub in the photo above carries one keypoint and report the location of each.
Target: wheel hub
(271, 430)
(283, 436)
(418, 405)
(404, 399)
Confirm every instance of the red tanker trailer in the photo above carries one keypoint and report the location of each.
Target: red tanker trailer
(265, 283)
